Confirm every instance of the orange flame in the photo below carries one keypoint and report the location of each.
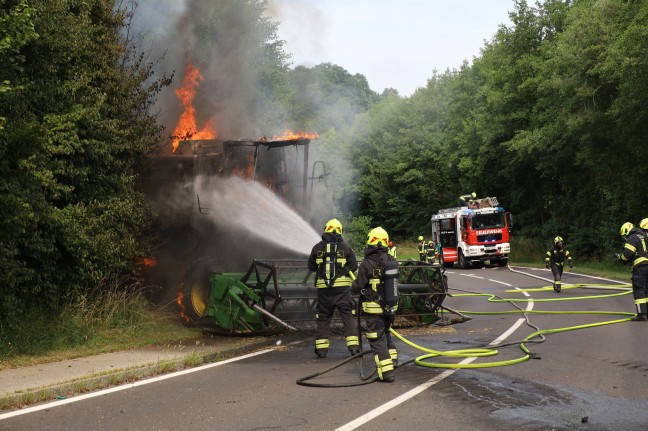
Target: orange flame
(289, 134)
(247, 171)
(182, 307)
(186, 127)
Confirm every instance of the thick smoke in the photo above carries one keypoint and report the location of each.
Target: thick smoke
(240, 220)
(225, 41)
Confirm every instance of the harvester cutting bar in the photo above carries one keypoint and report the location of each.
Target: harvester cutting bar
(283, 292)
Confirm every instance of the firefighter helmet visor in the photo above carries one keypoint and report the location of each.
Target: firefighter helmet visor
(378, 236)
(644, 224)
(333, 226)
(626, 228)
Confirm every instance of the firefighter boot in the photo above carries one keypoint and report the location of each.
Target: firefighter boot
(557, 286)
(388, 377)
(642, 313)
(321, 347)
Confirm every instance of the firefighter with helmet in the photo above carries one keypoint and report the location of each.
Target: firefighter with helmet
(643, 224)
(635, 250)
(468, 200)
(392, 249)
(378, 285)
(555, 260)
(430, 251)
(422, 249)
(333, 262)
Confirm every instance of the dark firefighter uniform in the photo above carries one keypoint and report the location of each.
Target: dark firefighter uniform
(378, 315)
(431, 252)
(332, 260)
(422, 249)
(635, 251)
(555, 259)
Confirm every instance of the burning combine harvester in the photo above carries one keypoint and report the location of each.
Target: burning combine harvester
(209, 228)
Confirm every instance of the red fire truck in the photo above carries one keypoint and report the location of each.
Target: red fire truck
(473, 235)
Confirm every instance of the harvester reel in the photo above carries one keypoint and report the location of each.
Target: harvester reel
(279, 295)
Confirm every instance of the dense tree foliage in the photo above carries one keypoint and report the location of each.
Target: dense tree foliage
(550, 118)
(72, 148)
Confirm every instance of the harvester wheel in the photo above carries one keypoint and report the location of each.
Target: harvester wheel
(196, 292)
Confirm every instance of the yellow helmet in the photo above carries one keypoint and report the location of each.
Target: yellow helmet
(420, 238)
(558, 239)
(644, 224)
(626, 228)
(333, 225)
(378, 236)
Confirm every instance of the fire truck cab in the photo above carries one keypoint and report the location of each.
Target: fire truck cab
(473, 235)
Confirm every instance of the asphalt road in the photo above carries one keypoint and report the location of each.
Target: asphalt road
(592, 378)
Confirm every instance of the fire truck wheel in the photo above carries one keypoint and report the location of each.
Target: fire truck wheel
(463, 263)
(443, 263)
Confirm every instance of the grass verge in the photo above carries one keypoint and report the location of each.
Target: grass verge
(113, 320)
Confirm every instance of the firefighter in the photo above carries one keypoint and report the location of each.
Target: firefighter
(392, 249)
(431, 251)
(377, 283)
(333, 262)
(555, 260)
(468, 200)
(643, 224)
(422, 249)
(636, 251)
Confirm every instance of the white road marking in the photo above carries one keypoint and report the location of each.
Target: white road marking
(500, 282)
(127, 386)
(417, 390)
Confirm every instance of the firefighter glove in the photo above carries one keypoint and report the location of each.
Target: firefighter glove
(355, 288)
(547, 266)
(617, 255)
(571, 264)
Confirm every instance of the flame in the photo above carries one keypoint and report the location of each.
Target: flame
(186, 127)
(289, 135)
(182, 307)
(246, 172)
(147, 262)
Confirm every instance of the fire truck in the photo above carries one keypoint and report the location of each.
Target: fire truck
(473, 235)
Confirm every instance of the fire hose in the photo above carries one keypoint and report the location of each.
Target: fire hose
(538, 336)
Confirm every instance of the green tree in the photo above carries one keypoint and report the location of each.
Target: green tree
(73, 148)
(16, 30)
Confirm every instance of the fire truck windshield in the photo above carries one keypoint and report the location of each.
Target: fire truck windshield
(488, 221)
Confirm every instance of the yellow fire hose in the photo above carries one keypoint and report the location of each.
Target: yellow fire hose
(535, 337)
